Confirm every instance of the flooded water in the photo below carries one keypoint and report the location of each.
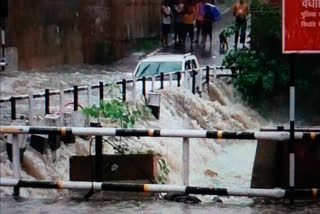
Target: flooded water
(70, 206)
(213, 163)
(230, 162)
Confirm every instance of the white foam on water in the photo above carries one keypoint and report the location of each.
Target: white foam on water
(213, 163)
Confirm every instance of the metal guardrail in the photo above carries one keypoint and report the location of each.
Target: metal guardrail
(180, 133)
(85, 88)
(76, 89)
(159, 188)
(17, 183)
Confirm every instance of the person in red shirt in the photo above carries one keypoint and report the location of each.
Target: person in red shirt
(240, 12)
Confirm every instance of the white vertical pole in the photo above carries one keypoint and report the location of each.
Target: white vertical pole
(292, 131)
(291, 144)
(153, 82)
(16, 161)
(186, 82)
(15, 156)
(170, 79)
(30, 109)
(61, 106)
(185, 161)
(134, 88)
(200, 80)
(215, 71)
(190, 77)
(89, 103)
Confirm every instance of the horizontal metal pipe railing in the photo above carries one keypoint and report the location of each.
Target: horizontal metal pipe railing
(83, 88)
(129, 187)
(287, 129)
(187, 133)
(55, 92)
(187, 75)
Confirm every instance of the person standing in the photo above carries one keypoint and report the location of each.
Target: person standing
(199, 19)
(178, 21)
(188, 19)
(207, 25)
(166, 22)
(240, 12)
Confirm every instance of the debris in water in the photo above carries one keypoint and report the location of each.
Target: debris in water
(210, 173)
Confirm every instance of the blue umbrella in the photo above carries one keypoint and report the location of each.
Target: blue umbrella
(214, 11)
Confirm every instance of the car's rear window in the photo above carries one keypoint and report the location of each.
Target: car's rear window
(154, 68)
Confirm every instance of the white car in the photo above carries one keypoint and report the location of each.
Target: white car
(170, 63)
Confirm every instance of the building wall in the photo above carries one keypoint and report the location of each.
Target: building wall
(133, 19)
(53, 32)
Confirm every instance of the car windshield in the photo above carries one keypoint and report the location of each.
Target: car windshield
(154, 68)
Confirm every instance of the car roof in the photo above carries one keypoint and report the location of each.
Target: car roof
(167, 58)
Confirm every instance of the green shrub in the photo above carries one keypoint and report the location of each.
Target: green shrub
(265, 29)
(264, 70)
(259, 76)
(118, 111)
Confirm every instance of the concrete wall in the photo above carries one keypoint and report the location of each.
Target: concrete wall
(271, 165)
(44, 32)
(133, 19)
(53, 32)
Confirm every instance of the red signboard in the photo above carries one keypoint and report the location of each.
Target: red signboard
(301, 26)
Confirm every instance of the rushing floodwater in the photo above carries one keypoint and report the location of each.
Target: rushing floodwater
(221, 163)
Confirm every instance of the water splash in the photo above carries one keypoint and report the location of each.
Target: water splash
(212, 162)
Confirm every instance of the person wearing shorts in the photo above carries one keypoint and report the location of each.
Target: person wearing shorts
(166, 22)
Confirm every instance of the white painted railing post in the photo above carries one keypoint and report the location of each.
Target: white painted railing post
(200, 81)
(190, 77)
(16, 161)
(134, 90)
(31, 109)
(215, 71)
(89, 92)
(185, 161)
(186, 80)
(153, 83)
(61, 107)
(170, 79)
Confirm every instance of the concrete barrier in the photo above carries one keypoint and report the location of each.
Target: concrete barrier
(115, 168)
(153, 102)
(271, 165)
